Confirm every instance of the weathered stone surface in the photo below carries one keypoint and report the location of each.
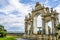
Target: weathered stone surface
(47, 16)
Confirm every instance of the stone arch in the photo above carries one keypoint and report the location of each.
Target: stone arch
(46, 15)
(35, 23)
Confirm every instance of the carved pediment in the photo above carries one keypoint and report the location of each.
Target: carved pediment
(38, 6)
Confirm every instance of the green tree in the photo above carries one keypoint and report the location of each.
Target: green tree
(3, 32)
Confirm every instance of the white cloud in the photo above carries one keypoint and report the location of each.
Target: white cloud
(11, 20)
(23, 8)
(39, 21)
(46, 1)
(7, 9)
(57, 8)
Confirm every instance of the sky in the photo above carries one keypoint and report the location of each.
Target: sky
(13, 12)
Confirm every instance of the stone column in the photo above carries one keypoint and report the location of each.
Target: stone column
(43, 25)
(35, 25)
(46, 28)
(53, 24)
(57, 22)
(26, 28)
(29, 28)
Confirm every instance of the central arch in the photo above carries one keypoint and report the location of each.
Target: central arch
(36, 23)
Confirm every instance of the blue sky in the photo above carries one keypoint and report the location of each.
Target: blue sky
(13, 12)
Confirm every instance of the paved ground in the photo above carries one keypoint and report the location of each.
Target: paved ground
(21, 39)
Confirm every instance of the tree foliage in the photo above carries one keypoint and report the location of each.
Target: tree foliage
(3, 31)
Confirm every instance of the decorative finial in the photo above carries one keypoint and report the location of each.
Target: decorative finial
(47, 8)
(29, 14)
(25, 16)
(51, 9)
(37, 3)
(55, 11)
(43, 5)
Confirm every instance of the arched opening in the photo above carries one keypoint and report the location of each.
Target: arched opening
(37, 24)
(45, 26)
(39, 21)
(50, 27)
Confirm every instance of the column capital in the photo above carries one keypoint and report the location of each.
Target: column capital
(52, 16)
(43, 18)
